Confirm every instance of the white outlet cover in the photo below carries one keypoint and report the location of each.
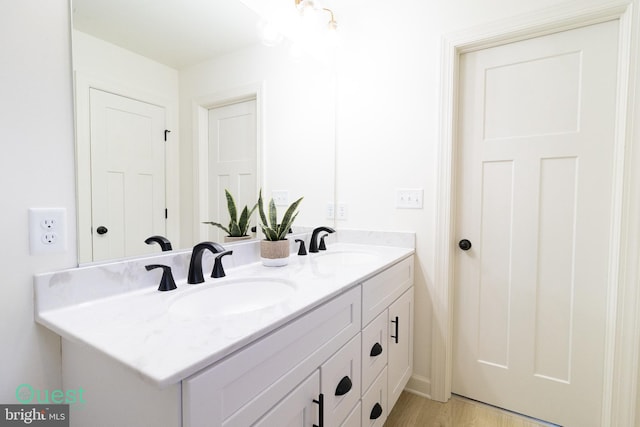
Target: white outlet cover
(331, 211)
(342, 211)
(47, 230)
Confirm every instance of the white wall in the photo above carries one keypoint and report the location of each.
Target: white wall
(298, 132)
(387, 125)
(36, 170)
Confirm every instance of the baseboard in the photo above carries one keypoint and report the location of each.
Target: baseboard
(419, 385)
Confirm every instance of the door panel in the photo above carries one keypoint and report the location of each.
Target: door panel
(127, 174)
(534, 193)
(232, 161)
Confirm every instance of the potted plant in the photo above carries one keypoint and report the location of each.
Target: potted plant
(274, 249)
(237, 228)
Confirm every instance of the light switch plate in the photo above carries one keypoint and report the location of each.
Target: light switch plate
(280, 197)
(409, 198)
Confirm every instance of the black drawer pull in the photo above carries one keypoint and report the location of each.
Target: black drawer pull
(344, 386)
(320, 403)
(395, 337)
(376, 412)
(376, 350)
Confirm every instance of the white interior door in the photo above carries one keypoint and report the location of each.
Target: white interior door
(534, 197)
(232, 161)
(127, 175)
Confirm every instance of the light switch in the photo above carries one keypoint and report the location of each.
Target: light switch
(409, 198)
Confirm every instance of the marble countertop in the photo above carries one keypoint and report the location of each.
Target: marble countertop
(135, 324)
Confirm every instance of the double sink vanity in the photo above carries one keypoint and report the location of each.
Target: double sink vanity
(325, 341)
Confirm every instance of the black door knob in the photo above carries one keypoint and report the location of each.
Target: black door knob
(464, 244)
(102, 230)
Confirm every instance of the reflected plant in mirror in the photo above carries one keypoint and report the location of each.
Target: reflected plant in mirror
(238, 226)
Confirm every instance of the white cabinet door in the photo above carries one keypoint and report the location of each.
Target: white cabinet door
(298, 408)
(400, 339)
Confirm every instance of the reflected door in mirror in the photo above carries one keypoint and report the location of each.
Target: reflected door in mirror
(127, 174)
(232, 147)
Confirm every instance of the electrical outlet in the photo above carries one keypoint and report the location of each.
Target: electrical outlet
(331, 211)
(49, 238)
(47, 230)
(341, 211)
(280, 198)
(409, 198)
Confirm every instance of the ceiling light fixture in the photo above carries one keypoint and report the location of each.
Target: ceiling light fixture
(308, 6)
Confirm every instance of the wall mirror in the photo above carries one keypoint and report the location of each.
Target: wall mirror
(178, 100)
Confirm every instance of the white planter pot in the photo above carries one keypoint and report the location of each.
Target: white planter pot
(274, 253)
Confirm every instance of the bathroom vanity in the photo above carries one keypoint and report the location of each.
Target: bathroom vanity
(331, 346)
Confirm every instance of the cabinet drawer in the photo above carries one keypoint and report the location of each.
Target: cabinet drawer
(383, 289)
(297, 409)
(340, 382)
(353, 420)
(374, 402)
(374, 349)
(240, 389)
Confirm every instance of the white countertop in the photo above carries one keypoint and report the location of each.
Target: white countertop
(134, 326)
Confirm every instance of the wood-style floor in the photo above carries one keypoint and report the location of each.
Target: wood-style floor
(416, 411)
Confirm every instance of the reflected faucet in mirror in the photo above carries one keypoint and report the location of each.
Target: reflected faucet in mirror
(164, 243)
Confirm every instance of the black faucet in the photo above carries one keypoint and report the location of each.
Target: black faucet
(195, 265)
(164, 243)
(313, 245)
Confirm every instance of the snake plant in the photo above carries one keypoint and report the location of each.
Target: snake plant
(270, 227)
(237, 227)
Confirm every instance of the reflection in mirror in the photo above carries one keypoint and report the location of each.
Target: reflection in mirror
(235, 114)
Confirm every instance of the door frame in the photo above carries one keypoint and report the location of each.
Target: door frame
(84, 82)
(200, 107)
(621, 342)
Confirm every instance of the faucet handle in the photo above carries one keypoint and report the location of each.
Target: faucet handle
(166, 282)
(322, 246)
(218, 269)
(302, 250)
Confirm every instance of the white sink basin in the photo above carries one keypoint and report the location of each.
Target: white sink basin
(233, 297)
(345, 258)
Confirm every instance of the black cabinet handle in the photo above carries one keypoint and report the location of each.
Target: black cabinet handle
(320, 403)
(344, 386)
(102, 230)
(395, 337)
(376, 350)
(376, 411)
